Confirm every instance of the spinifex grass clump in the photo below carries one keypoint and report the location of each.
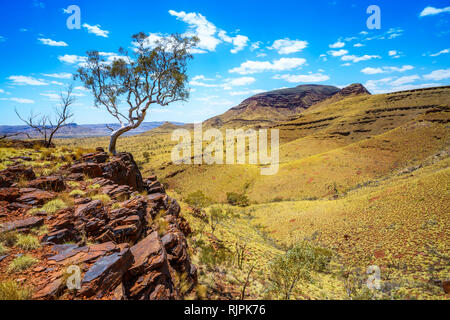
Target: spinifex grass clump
(27, 242)
(11, 290)
(22, 263)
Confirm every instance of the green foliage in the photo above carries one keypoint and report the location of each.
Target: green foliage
(102, 197)
(287, 270)
(198, 200)
(11, 290)
(213, 257)
(76, 192)
(21, 263)
(50, 207)
(27, 242)
(3, 249)
(237, 199)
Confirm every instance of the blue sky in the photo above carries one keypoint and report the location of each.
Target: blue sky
(245, 47)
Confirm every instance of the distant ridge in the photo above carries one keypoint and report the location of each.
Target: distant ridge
(73, 130)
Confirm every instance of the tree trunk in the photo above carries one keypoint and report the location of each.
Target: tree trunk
(116, 134)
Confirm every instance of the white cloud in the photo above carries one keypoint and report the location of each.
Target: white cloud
(19, 100)
(386, 69)
(24, 80)
(239, 41)
(355, 59)
(338, 53)
(369, 70)
(287, 46)
(201, 77)
(243, 81)
(250, 67)
(392, 53)
(312, 77)
(358, 45)
(226, 85)
(405, 80)
(255, 45)
(2, 91)
(445, 51)
(338, 44)
(438, 75)
(200, 27)
(51, 96)
(431, 11)
(62, 75)
(71, 59)
(52, 43)
(96, 30)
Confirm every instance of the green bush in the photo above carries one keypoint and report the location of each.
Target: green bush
(286, 271)
(198, 200)
(237, 199)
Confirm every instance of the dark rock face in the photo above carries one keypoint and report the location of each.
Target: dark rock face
(353, 89)
(130, 259)
(123, 170)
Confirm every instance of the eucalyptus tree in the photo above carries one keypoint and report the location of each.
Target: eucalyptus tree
(155, 73)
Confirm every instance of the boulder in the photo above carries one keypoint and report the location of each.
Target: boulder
(99, 157)
(106, 274)
(22, 225)
(35, 197)
(92, 170)
(123, 170)
(51, 183)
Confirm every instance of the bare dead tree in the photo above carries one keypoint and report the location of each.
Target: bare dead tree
(48, 125)
(154, 74)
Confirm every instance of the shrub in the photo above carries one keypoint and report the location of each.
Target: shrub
(102, 197)
(76, 193)
(287, 270)
(51, 206)
(27, 242)
(10, 290)
(198, 200)
(21, 263)
(237, 199)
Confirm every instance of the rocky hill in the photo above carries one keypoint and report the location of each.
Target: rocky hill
(96, 213)
(268, 107)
